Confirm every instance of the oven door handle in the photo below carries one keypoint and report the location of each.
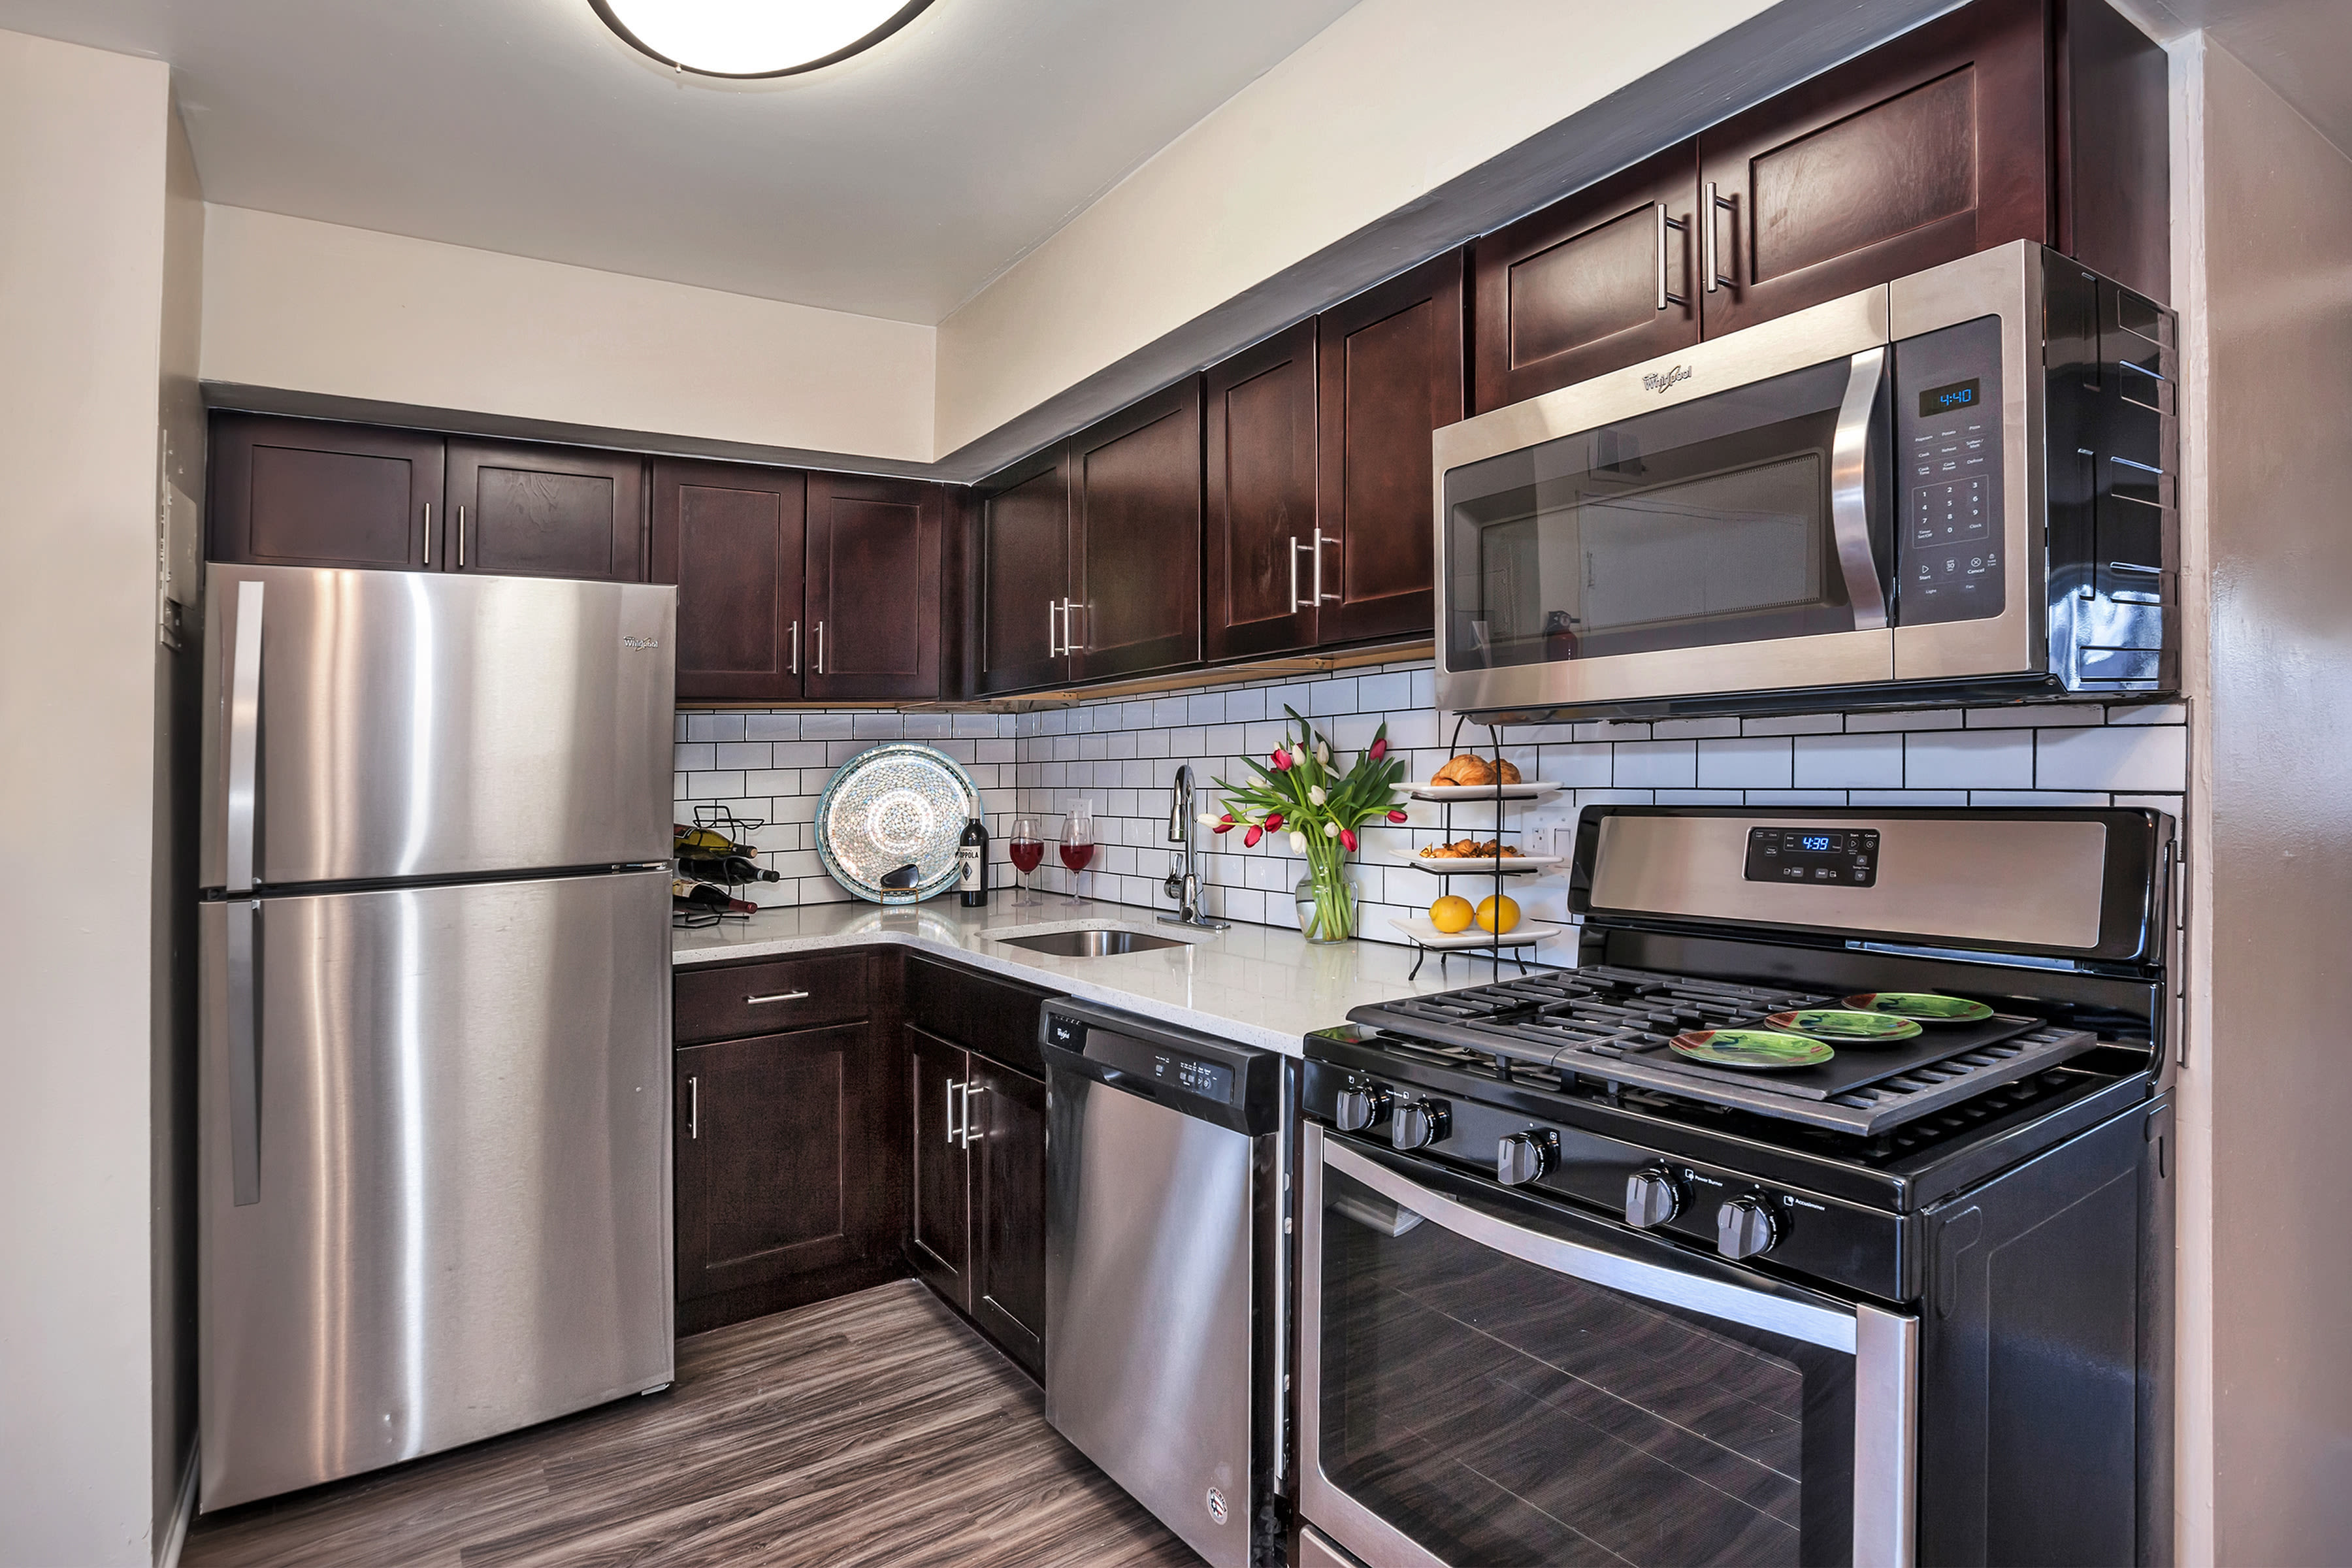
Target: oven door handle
(1884, 1345)
(1850, 491)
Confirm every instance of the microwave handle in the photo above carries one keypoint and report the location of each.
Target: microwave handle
(1850, 491)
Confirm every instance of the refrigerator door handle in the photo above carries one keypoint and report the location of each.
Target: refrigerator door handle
(244, 1054)
(244, 735)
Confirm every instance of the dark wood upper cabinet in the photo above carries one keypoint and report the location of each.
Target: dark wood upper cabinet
(782, 1142)
(873, 587)
(314, 492)
(1023, 547)
(529, 511)
(1260, 533)
(1591, 284)
(1931, 147)
(1135, 508)
(1390, 365)
(730, 536)
(1008, 1180)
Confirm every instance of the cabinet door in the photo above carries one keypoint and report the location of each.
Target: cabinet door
(1930, 147)
(779, 1139)
(1261, 471)
(1134, 502)
(310, 492)
(938, 1238)
(523, 510)
(873, 587)
(729, 536)
(1588, 285)
(1008, 1148)
(1024, 575)
(1390, 362)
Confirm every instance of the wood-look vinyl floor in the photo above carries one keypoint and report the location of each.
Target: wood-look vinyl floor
(874, 1429)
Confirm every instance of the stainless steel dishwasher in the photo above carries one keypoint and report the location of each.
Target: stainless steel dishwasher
(1165, 1335)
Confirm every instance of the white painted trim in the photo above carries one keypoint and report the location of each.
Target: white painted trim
(183, 1513)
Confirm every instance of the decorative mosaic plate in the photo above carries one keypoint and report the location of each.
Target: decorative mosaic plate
(896, 806)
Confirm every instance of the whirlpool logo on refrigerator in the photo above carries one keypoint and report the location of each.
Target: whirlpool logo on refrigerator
(640, 645)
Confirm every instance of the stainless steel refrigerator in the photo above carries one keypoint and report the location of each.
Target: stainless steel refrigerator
(434, 1136)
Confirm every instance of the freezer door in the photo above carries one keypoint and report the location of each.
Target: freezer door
(456, 1138)
(411, 725)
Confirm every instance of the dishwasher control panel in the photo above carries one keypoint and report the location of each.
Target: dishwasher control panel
(1193, 1076)
(1204, 1077)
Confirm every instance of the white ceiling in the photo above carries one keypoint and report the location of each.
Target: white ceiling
(894, 184)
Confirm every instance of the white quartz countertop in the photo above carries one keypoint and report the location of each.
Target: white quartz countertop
(1250, 983)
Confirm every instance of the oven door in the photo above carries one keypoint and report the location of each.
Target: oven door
(1717, 524)
(1491, 1379)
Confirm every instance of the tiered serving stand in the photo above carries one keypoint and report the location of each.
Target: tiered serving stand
(1424, 936)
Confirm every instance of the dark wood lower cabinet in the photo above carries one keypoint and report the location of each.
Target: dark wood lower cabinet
(939, 1232)
(1007, 1139)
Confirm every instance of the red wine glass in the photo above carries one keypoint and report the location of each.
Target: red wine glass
(1027, 850)
(1078, 843)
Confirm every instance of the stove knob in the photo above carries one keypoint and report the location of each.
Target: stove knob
(1521, 1157)
(1745, 1227)
(1418, 1124)
(1362, 1105)
(1650, 1199)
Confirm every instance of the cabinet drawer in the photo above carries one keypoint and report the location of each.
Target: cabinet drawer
(994, 1017)
(744, 999)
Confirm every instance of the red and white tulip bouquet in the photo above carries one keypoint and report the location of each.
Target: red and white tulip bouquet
(1299, 792)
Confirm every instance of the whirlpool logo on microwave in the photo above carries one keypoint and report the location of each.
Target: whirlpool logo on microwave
(640, 645)
(1665, 380)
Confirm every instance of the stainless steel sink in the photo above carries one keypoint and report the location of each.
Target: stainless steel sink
(1094, 943)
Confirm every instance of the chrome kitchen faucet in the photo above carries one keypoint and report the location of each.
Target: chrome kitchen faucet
(1183, 882)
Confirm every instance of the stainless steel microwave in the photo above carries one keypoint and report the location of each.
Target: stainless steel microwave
(1957, 487)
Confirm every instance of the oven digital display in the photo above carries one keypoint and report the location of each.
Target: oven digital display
(1951, 398)
(1841, 857)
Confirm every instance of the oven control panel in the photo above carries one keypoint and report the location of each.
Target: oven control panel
(1826, 857)
(1948, 452)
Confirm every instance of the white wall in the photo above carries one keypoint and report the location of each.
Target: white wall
(1393, 99)
(318, 308)
(2267, 1094)
(83, 154)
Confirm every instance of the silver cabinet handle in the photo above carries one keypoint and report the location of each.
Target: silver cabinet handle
(429, 534)
(1712, 263)
(244, 1053)
(1294, 574)
(1666, 295)
(1070, 627)
(953, 1130)
(693, 1106)
(778, 996)
(243, 737)
(461, 538)
(1053, 643)
(1322, 539)
(1850, 492)
(797, 648)
(970, 1089)
(820, 647)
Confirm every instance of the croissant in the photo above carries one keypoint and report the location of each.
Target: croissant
(1465, 769)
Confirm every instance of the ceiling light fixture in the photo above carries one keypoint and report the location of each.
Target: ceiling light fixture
(755, 37)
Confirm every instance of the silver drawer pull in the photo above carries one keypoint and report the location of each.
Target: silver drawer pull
(779, 996)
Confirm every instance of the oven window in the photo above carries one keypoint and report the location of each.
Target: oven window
(1696, 526)
(1498, 1413)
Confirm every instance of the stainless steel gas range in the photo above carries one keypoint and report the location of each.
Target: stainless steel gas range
(1568, 1295)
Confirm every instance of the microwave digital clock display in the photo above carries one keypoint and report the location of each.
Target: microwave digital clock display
(1950, 399)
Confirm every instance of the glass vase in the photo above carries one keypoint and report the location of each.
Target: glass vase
(1327, 902)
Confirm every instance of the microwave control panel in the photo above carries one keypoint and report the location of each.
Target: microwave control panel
(1949, 561)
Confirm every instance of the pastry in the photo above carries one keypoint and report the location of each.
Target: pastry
(1472, 771)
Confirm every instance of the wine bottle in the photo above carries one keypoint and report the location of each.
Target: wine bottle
(728, 870)
(704, 843)
(703, 896)
(971, 865)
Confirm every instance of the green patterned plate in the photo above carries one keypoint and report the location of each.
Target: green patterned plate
(1757, 1048)
(1831, 1023)
(1924, 1005)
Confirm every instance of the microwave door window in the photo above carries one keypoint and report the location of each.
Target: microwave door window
(1704, 525)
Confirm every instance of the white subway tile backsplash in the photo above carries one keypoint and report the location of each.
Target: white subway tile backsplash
(1968, 759)
(1658, 764)
(1849, 762)
(1756, 762)
(1795, 724)
(2127, 757)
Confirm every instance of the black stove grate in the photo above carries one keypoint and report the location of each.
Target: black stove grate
(1611, 1025)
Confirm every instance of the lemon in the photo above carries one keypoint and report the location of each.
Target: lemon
(1450, 913)
(1497, 913)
